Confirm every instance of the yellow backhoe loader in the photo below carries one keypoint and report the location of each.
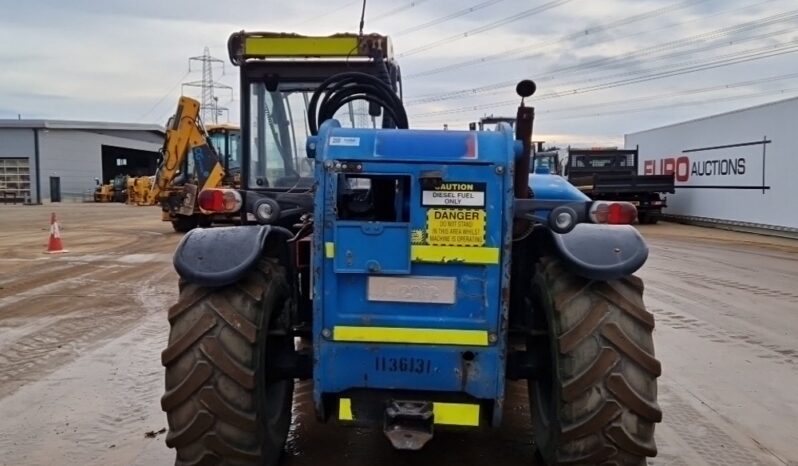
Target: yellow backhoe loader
(193, 158)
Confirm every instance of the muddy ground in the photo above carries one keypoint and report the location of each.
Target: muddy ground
(81, 335)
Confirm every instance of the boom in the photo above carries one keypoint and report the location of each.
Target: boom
(185, 135)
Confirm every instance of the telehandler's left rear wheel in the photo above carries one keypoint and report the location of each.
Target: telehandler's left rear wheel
(224, 401)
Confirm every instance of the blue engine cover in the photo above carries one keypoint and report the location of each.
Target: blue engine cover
(415, 296)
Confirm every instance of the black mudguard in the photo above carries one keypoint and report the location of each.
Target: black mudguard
(602, 252)
(216, 257)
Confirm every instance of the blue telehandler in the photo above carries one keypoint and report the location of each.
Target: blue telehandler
(409, 274)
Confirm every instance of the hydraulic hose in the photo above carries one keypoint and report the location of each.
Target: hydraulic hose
(340, 89)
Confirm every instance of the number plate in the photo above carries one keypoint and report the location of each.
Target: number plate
(432, 290)
(407, 365)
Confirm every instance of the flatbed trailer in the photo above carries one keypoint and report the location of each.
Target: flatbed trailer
(612, 175)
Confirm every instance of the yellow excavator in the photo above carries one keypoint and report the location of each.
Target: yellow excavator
(191, 162)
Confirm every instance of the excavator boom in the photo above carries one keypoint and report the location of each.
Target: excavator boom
(185, 137)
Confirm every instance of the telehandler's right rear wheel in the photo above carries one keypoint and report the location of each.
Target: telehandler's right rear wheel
(224, 401)
(596, 400)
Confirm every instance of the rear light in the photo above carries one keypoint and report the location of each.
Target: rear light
(219, 200)
(614, 213)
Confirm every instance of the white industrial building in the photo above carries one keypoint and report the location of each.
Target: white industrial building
(53, 160)
(737, 168)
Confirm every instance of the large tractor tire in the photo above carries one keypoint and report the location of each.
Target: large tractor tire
(224, 401)
(596, 400)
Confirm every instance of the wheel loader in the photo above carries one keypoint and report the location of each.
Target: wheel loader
(411, 276)
(113, 191)
(137, 189)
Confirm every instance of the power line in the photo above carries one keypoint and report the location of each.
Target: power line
(647, 108)
(591, 64)
(399, 9)
(715, 34)
(692, 67)
(319, 16)
(448, 17)
(556, 73)
(568, 37)
(750, 55)
(680, 104)
(669, 95)
(688, 52)
(678, 72)
(487, 27)
(168, 93)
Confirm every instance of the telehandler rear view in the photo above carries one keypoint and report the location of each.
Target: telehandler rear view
(408, 273)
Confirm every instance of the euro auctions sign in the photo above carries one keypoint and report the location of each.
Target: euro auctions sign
(684, 168)
(732, 166)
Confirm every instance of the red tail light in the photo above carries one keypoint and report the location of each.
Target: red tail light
(217, 200)
(614, 213)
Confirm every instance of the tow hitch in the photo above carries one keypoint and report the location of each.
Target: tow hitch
(408, 424)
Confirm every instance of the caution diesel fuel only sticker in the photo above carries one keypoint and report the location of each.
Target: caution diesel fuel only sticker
(453, 194)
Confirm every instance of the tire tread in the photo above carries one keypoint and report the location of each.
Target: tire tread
(607, 377)
(211, 397)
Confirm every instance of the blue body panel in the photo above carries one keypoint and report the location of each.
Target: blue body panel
(412, 146)
(546, 186)
(448, 372)
(364, 249)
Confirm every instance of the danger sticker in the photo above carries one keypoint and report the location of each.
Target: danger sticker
(456, 227)
(455, 195)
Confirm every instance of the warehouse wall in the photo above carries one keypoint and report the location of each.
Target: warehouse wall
(20, 143)
(75, 157)
(16, 142)
(735, 167)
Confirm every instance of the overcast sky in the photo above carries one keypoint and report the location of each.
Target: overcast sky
(603, 67)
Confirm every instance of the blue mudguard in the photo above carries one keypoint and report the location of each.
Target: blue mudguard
(602, 252)
(205, 256)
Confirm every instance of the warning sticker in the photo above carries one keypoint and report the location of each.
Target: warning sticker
(344, 141)
(456, 227)
(455, 195)
(418, 237)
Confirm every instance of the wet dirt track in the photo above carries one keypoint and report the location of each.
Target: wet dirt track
(81, 335)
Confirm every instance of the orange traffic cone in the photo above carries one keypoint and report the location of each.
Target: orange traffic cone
(54, 245)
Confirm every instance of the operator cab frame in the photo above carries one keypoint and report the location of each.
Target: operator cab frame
(278, 74)
(226, 139)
